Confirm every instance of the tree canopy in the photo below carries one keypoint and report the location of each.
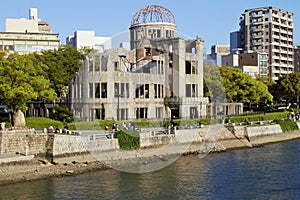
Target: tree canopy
(22, 79)
(213, 83)
(63, 64)
(289, 87)
(236, 85)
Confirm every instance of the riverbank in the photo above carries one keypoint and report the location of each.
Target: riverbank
(34, 169)
(39, 168)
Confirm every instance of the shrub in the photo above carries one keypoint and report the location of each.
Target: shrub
(128, 139)
(62, 114)
(287, 125)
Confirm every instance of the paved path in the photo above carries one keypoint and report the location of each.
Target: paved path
(6, 158)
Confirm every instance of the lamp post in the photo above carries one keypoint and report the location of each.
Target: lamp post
(265, 100)
(118, 106)
(200, 109)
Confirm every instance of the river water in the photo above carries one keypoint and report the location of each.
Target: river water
(269, 172)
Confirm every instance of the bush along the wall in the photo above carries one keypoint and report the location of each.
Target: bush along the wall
(128, 139)
(287, 125)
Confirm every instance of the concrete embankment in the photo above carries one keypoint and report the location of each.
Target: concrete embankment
(72, 154)
(154, 142)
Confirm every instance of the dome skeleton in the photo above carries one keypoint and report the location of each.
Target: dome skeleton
(152, 14)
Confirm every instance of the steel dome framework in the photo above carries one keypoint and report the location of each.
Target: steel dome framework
(152, 14)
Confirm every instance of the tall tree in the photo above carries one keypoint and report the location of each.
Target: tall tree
(22, 80)
(241, 87)
(234, 85)
(213, 83)
(289, 87)
(63, 64)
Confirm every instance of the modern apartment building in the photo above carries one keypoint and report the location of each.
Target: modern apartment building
(269, 30)
(297, 59)
(84, 38)
(254, 64)
(161, 76)
(28, 35)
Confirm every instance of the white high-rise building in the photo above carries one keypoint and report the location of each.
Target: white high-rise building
(269, 30)
(84, 38)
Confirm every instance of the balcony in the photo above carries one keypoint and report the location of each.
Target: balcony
(283, 51)
(282, 37)
(290, 19)
(275, 43)
(275, 71)
(275, 30)
(256, 22)
(283, 58)
(172, 101)
(275, 57)
(283, 31)
(255, 36)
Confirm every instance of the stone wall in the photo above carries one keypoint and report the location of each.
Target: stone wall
(15, 141)
(255, 131)
(66, 144)
(54, 145)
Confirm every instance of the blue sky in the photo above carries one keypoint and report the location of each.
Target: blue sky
(212, 20)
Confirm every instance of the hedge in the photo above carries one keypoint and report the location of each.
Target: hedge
(128, 139)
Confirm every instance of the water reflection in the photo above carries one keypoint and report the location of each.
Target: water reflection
(270, 172)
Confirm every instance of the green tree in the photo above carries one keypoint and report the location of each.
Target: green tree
(213, 83)
(289, 87)
(241, 87)
(63, 64)
(22, 80)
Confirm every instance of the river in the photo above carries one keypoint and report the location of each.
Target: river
(269, 172)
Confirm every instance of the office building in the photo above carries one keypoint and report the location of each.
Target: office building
(252, 63)
(217, 51)
(28, 35)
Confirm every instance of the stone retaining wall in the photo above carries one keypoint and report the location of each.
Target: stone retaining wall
(66, 144)
(17, 141)
(57, 145)
(255, 131)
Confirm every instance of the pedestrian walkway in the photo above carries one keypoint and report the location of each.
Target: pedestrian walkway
(7, 158)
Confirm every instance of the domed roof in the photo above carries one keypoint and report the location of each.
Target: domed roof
(152, 14)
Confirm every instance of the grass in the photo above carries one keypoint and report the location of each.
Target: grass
(287, 125)
(40, 123)
(260, 117)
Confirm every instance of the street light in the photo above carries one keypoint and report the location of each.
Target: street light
(118, 106)
(200, 109)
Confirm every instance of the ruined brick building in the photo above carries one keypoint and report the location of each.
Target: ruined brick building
(159, 77)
